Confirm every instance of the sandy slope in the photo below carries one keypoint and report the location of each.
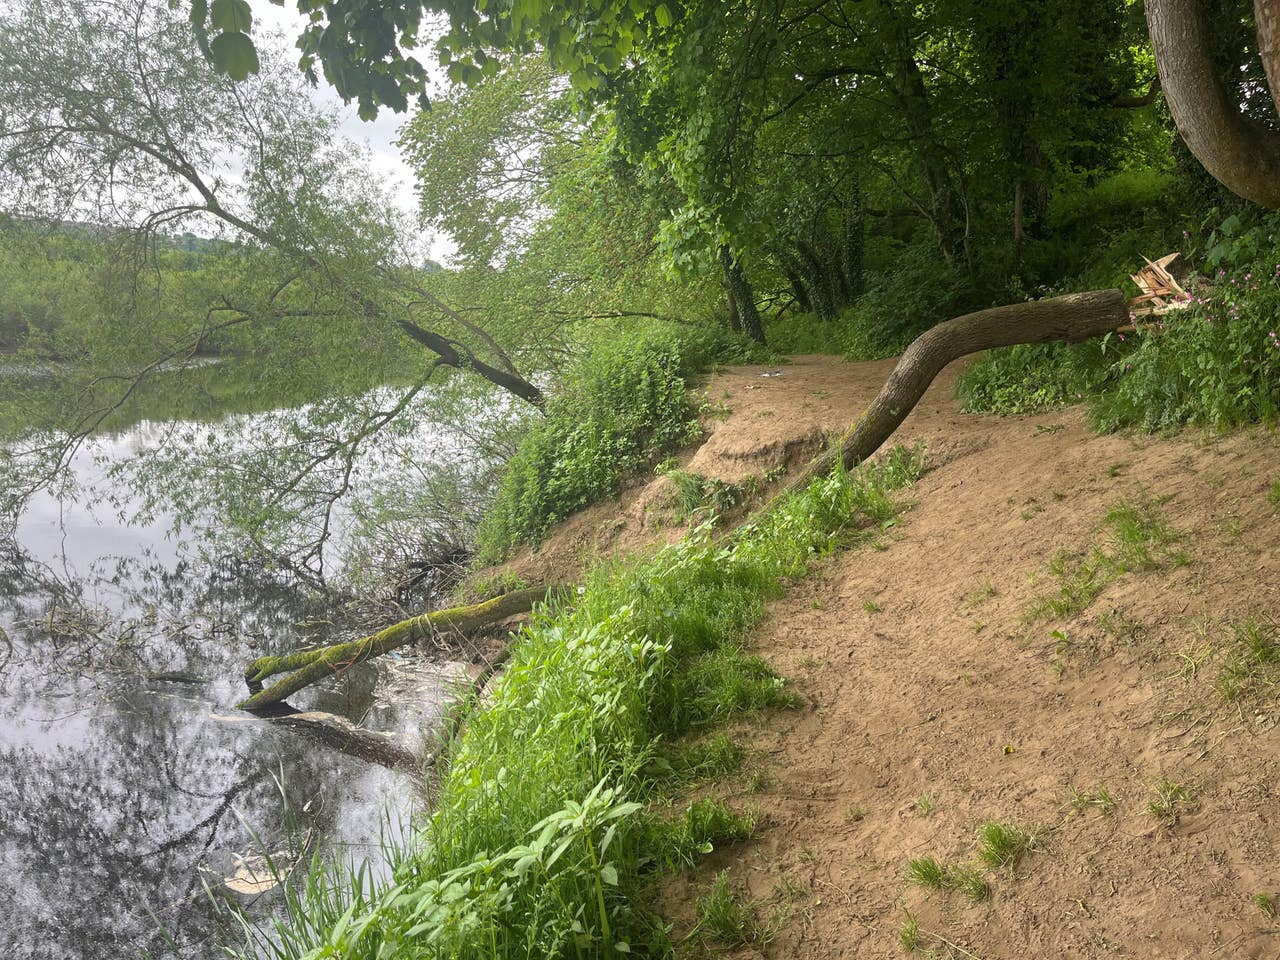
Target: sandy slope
(931, 705)
(945, 708)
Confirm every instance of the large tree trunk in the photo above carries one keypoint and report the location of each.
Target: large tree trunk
(818, 275)
(308, 666)
(791, 270)
(1266, 16)
(1072, 319)
(740, 289)
(1240, 154)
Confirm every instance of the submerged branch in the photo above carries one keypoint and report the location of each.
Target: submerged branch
(307, 666)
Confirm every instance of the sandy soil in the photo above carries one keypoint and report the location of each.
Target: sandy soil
(931, 705)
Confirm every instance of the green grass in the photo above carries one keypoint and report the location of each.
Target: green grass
(909, 935)
(1003, 844)
(547, 829)
(1265, 903)
(698, 760)
(1252, 660)
(724, 915)
(1169, 801)
(933, 875)
(1134, 537)
(1099, 798)
(677, 843)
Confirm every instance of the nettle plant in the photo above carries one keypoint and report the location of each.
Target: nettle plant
(1217, 363)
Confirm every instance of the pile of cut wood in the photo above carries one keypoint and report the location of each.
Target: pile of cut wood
(1161, 291)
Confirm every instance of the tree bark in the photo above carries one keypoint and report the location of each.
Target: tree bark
(1072, 319)
(1240, 154)
(1266, 16)
(822, 290)
(308, 666)
(740, 290)
(791, 271)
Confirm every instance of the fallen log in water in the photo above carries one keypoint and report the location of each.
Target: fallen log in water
(307, 666)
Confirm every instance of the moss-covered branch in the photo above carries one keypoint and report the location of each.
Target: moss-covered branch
(307, 666)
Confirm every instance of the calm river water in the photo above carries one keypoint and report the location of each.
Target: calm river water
(128, 781)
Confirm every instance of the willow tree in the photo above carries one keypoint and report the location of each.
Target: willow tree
(112, 119)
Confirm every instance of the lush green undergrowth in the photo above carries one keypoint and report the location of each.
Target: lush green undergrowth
(623, 405)
(1216, 363)
(912, 293)
(555, 815)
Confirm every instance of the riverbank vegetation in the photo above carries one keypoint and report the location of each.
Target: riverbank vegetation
(628, 195)
(554, 817)
(661, 194)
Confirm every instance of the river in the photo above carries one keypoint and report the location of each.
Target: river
(128, 780)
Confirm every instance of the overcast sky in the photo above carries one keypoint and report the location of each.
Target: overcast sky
(379, 134)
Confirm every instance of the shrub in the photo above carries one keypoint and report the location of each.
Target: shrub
(1030, 377)
(1216, 364)
(623, 405)
(901, 303)
(805, 333)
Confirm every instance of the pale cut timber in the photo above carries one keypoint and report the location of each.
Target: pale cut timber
(1159, 287)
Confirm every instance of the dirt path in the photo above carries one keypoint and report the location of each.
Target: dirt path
(932, 705)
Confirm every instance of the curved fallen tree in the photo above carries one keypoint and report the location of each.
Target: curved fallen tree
(307, 666)
(1072, 319)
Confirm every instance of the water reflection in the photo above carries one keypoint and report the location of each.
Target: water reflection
(117, 789)
(126, 775)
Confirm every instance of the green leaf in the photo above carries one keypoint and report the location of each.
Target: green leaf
(231, 16)
(584, 80)
(609, 874)
(235, 54)
(662, 15)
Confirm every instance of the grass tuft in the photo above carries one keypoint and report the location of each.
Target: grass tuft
(1266, 903)
(1136, 538)
(1169, 801)
(725, 916)
(1251, 660)
(1003, 844)
(693, 762)
(929, 873)
(1099, 798)
(909, 933)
